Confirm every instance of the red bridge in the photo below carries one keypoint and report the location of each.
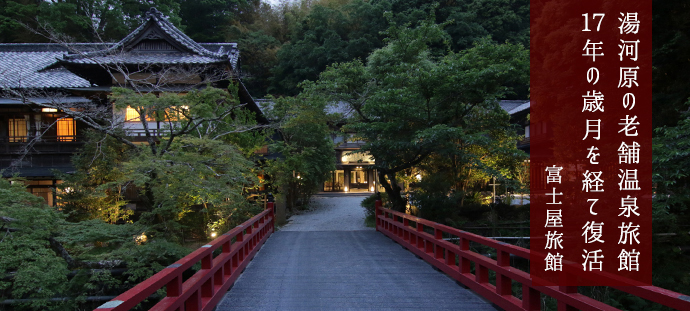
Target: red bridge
(360, 270)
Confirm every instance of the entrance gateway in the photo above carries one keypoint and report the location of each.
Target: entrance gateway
(354, 172)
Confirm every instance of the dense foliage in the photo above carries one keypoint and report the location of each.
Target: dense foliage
(281, 45)
(670, 47)
(434, 115)
(335, 32)
(43, 256)
(429, 73)
(76, 20)
(193, 180)
(306, 152)
(671, 144)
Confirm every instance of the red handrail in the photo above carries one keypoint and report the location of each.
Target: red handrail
(206, 287)
(455, 260)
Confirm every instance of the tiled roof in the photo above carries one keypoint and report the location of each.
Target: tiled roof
(514, 106)
(196, 53)
(38, 65)
(148, 58)
(24, 69)
(35, 65)
(52, 47)
(45, 100)
(228, 48)
(341, 108)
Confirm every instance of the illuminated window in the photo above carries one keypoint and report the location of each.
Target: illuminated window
(17, 130)
(66, 129)
(49, 110)
(262, 150)
(43, 192)
(132, 115)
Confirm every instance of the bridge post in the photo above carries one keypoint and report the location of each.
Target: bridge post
(562, 305)
(272, 214)
(531, 298)
(503, 282)
(464, 263)
(378, 213)
(438, 250)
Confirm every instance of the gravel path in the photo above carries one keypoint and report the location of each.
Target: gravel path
(333, 213)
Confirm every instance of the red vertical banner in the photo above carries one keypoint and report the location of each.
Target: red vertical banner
(591, 142)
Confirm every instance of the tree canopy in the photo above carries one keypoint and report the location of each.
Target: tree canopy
(411, 105)
(333, 33)
(306, 152)
(281, 45)
(77, 20)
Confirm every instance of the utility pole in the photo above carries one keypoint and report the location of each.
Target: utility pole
(493, 209)
(494, 185)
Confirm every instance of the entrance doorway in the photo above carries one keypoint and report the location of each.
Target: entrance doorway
(335, 182)
(359, 179)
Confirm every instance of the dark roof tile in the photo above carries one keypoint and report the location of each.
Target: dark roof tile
(197, 53)
(514, 106)
(24, 70)
(38, 65)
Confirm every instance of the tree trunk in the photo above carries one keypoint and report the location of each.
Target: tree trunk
(290, 197)
(393, 190)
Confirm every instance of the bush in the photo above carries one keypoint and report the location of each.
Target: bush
(370, 208)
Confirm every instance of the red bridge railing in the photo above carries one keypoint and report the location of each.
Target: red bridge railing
(206, 287)
(455, 260)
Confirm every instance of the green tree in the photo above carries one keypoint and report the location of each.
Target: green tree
(342, 31)
(671, 70)
(258, 52)
(92, 191)
(670, 177)
(77, 20)
(306, 152)
(39, 249)
(671, 159)
(328, 34)
(27, 225)
(210, 20)
(411, 105)
(196, 164)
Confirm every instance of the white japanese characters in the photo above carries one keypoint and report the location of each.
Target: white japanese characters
(602, 161)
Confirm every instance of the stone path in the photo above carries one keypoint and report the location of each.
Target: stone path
(326, 260)
(342, 213)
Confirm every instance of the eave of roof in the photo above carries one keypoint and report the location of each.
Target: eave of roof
(22, 70)
(514, 106)
(45, 100)
(154, 18)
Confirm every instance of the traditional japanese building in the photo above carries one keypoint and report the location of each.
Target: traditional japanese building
(355, 170)
(519, 112)
(40, 82)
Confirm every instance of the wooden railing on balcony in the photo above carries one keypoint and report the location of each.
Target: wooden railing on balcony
(44, 145)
